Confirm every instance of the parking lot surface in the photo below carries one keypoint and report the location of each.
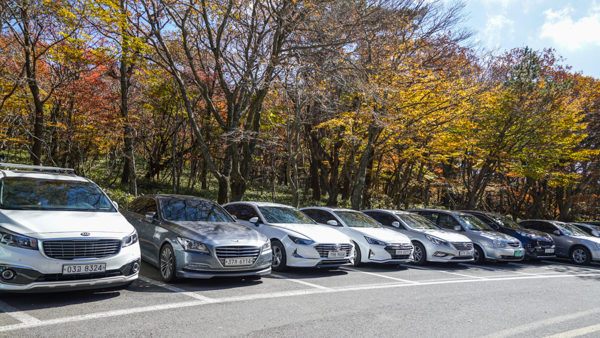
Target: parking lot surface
(497, 300)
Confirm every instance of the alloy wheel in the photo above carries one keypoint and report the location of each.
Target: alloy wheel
(167, 262)
(417, 253)
(579, 256)
(277, 256)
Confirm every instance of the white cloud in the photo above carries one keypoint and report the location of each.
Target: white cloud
(572, 33)
(497, 29)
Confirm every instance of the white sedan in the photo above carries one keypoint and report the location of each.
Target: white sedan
(296, 240)
(373, 243)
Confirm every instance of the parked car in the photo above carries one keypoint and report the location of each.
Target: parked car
(571, 242)
(489, 245)
(431, 243)
(297, 241)
(590, 229)
(372, 242)
(191, 237)
(596, 223)
(59, 231)
(538, 245)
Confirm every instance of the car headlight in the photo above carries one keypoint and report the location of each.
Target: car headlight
(191, 245)
(20, 241)
(301, 241)
(266, 246)
(498, 243)
(130, 240)
(435, 240)
(375, 241)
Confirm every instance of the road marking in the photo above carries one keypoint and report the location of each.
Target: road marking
(18, 315)
(461, 274)
(532, 326)
(577, 332)
(298, 281)
(176, 289)
(170, 306)
(380, 275)
(573, 266)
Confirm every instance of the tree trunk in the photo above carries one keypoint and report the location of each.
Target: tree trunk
(356, 199)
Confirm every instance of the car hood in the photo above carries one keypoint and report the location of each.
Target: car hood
(446, 235)
(316, 232)
(57, 224)
(532, 234)
(383, 234)
(218, 232)
(494, 235)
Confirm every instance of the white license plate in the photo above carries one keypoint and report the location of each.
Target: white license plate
(549, 251)
(465, 253)
(402, 252)
(237, 261)
(336, 254)
(81, 269)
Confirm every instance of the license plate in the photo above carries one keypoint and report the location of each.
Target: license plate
(80, 269)
(402, 252)
(465, 253)
(518, 253)
(549, 251)
(336, 254)
(237, 261)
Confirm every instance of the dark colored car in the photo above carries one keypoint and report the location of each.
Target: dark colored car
(537, 244)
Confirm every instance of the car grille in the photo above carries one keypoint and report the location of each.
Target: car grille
(540, 244)
(514, 244)
(463, 246)
(74, 249)
(237, 251)
(391, 249)
(324, 249)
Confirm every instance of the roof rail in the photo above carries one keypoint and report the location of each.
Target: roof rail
(24, 167)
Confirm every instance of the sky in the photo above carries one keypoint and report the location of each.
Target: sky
(572, 28)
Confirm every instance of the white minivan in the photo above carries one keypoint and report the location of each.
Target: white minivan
(59, 231)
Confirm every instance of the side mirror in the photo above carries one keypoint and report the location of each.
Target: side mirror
(457, 228)
(557, 232)
(332, 222)
(150, 217)
(595, 233)
(396, 224)
(253, 220)
(116, 205)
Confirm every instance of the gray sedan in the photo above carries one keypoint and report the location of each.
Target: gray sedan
(190, 237)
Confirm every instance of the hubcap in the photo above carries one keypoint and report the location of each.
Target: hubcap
(277, 256)
(476, 255)
(417, 254)
(579, 256)
(166, 262)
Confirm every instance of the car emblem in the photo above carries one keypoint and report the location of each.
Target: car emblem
(338, 247)
(85, 234)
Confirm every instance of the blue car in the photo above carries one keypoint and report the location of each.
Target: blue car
(537, 244)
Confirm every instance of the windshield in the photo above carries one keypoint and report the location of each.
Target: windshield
(356, 219)
(417, 222)
(473, 223)
(506, 222)
(284, 215)
(23, 193)
(571, 230)
(192, 210)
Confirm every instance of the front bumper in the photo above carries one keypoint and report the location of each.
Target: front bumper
(317, 255)
(389, 254)
(205, 266)
(509, 254)
(539, 252)
(447, 254)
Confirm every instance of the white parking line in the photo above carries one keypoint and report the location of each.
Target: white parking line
(176, 289)
(577, 332)
(18, 315)
(532, 326)
(380, 275)
(299, 281)
(461, 274)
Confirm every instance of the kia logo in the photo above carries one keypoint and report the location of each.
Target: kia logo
(85, 234)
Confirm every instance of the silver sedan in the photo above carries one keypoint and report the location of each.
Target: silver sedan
(190, 237)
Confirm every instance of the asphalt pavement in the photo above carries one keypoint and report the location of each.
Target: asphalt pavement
(543, 299)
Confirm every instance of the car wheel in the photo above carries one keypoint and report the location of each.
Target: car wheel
(167, 264)
(419, 254)
(357, 255)
(279, 256)
(580, 255)
(478, 255)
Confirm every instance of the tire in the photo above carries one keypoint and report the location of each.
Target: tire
(279, 256)
(580, 255)
(419, 254)
(357, 255)
(167, 264)
(479, 256)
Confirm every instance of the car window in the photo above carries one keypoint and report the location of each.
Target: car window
(505, 221)
(357, 219)
(23, 193)
(540, 226)
(319, 216)
(241, 211)
(384, 218)
(446, 221)
(192, 210)
(286, 215)
(584, 228)
(473, 223)
(570, 230)
(417, 222)
(432, 216)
